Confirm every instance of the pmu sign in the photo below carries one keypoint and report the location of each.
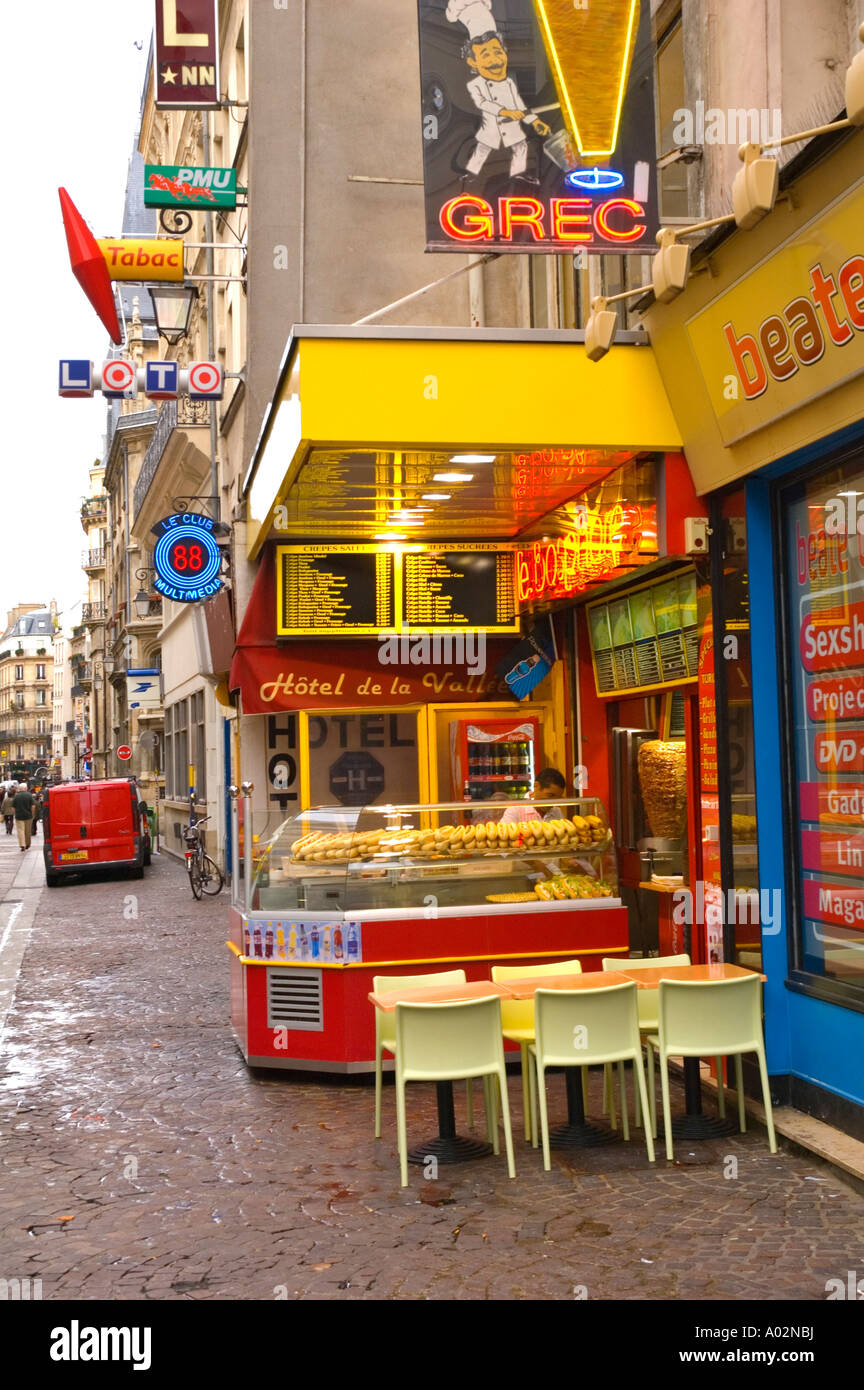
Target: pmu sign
(187, 54)
(172, 185)
(122, 380)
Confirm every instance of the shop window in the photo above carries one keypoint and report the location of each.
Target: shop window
(745, 914)
(822, 523)
(358, 759)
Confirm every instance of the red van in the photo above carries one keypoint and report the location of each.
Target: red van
(94, 825)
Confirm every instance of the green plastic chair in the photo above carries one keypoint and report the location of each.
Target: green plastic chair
(610, 1021)
(710, 1018)
(449, 1042)
(385, 1027)
(517, 1017)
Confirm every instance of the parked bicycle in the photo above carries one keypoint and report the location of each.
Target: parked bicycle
(205, 876)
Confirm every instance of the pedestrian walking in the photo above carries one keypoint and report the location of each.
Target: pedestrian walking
(23, 804)
(7, 810)
(37, 809)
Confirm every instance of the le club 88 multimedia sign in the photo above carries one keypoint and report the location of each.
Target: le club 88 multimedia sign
(187, 558)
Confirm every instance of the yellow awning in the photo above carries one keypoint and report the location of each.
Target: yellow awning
(364, 420)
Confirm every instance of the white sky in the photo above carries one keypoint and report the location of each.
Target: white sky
(72, 87)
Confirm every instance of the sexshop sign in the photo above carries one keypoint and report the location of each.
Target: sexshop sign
(538, 125)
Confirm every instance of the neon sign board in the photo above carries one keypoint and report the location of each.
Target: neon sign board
(187, 559)
(538, 125)
(599, 544)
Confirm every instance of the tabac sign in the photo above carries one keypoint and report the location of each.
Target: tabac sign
(187, 54)
(538, 125)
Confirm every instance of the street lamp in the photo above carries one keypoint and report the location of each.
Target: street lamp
(172, 310)
(142, 599)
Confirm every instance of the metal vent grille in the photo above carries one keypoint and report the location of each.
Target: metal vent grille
(294, 1000)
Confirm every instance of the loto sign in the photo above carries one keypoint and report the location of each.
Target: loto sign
(121, 380)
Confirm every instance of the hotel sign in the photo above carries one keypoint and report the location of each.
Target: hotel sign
(187, 54)
(538, 125)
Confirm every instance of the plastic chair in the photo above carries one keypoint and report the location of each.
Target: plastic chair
(517, 1017)
(707, 1018)
(648, 1002)
(385, 1027)
(610, 1021)
(448, 1042)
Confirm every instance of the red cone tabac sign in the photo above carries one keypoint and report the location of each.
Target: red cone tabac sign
(187, 54)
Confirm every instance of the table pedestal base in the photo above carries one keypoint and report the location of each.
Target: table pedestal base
(702, 1127)
(580, 1136)
(450, 1149)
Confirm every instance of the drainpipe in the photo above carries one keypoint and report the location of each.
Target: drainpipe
(211, 329)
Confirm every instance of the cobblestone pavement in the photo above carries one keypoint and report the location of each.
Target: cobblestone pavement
(140, 1159)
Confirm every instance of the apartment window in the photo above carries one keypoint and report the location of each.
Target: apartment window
(19, 673)
(41, 697)
(674, 200)
(41, 726)
(198, 742)
(40, 672)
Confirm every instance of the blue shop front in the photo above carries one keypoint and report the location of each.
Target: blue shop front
(762, 357)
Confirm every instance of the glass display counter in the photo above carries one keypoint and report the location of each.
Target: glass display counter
(385, 862)
(339, 895)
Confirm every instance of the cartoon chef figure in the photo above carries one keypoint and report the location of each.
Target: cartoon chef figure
(494, 94)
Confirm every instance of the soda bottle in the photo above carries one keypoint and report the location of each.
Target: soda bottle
(353, 943)
(292, 944)
(315, 938)
(337, 943)
(268, 942)
(257, 948)
(280, 944)
(247, 942)
(326, 946)
(303, 942)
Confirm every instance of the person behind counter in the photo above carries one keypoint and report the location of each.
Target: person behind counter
(549, 785)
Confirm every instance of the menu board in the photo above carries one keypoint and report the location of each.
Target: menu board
(459, 589)
(364, 590)
(648, 639)
(825, 627)
(323, 590)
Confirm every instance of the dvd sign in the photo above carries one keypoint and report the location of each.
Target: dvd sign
(538, 125)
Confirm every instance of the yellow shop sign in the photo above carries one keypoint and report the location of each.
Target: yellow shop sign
(790, 330)
(129, 258)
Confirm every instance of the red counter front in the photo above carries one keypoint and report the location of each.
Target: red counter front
(309, 1016)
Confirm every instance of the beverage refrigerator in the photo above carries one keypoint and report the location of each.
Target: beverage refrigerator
(494, 755)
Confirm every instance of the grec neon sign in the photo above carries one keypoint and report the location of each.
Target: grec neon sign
(594, 549)
(571, 221)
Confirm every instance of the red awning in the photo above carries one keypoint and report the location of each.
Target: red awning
(320, 674)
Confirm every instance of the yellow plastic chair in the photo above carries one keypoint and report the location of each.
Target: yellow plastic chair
(710, 1018)
(648, 1002)
(385, 1027)
(517, 1017)
(449, 1042)
(610, 1021)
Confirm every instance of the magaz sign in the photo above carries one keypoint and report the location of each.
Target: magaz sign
(538, 125)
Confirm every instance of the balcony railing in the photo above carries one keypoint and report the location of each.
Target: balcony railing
(94, 612)
(94, 509)
(181, 414)
(92, 559)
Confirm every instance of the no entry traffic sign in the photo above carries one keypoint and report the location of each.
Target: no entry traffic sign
(124, 753)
